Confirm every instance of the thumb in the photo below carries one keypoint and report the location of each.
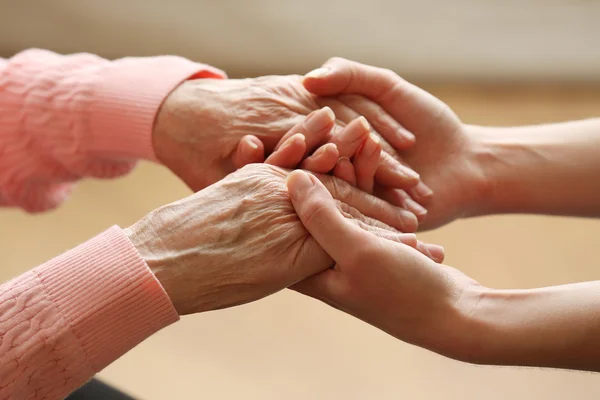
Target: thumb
(341, 76)
(319, 214)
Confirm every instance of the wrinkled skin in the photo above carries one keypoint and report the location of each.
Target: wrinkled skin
(240, 239)
(200, 124)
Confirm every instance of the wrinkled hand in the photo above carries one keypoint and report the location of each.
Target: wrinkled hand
(445, 152)
(208, 128)
(240, 239)
(381, 280)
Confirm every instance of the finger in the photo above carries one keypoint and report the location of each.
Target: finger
(400, 198)
(437, 252)
(366, 163)
(290, 153)
(369, 205)
(421, 193)
(320, 216)
(352, 137)
(384, 87)
(433, 251)
(316, 128)
(345, 114)
(323, 160)
(345, 170)
(352, 213)
(339, 76)
(381, 230)
(249, 150)
(409, 239)
(393, 173)
(391, 130)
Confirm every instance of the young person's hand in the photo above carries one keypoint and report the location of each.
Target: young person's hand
(445, 153)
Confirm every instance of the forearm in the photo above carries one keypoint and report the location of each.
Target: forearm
(70, 317)
(555, 327)
(67, 117)
(545, 169)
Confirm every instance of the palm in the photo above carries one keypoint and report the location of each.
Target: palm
(439, 157)
(440, 154)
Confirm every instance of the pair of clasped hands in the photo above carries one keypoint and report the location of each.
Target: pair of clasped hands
(307, 183)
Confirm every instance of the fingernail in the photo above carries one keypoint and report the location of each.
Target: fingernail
(343, 159)
(437, 252)
(409, 173)
(298, 183)
(252, 145)
(363, 121)
(423, 190)
(409, 239)
(409, 220)
(370, 146)
(319, 120)
(298, 138)
(406, 136)
(318, 73)
(416, 208)
(374, 138)
(329, 112)
(324, 149)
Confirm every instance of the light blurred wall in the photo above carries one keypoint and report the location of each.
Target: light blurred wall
(426, 39)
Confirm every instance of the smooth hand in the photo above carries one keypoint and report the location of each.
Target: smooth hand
(381, 280)
(445, 153)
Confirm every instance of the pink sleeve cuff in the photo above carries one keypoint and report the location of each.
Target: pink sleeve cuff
(108, 295)
(63, 118)
(128, 96)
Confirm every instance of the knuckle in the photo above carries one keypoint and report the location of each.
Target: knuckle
(341, 190)
(313, 212)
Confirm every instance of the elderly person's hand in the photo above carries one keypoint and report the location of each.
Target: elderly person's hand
(446, 153)
(200, 125)
(240, 239)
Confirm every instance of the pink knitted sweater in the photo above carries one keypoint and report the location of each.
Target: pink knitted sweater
(63, 118)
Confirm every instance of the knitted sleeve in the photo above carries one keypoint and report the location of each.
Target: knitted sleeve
(63, 118)
(67, 319)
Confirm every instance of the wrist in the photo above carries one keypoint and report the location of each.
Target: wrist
(127, 96)
(464, 333)
(193, 113)
(152, 249)
(178, 241)
(477, 185)
(496, 155)
(516, 327)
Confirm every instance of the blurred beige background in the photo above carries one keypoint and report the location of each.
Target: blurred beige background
(496, 62)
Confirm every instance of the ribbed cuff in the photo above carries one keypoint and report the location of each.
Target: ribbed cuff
(109, 296)
(127, 98)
